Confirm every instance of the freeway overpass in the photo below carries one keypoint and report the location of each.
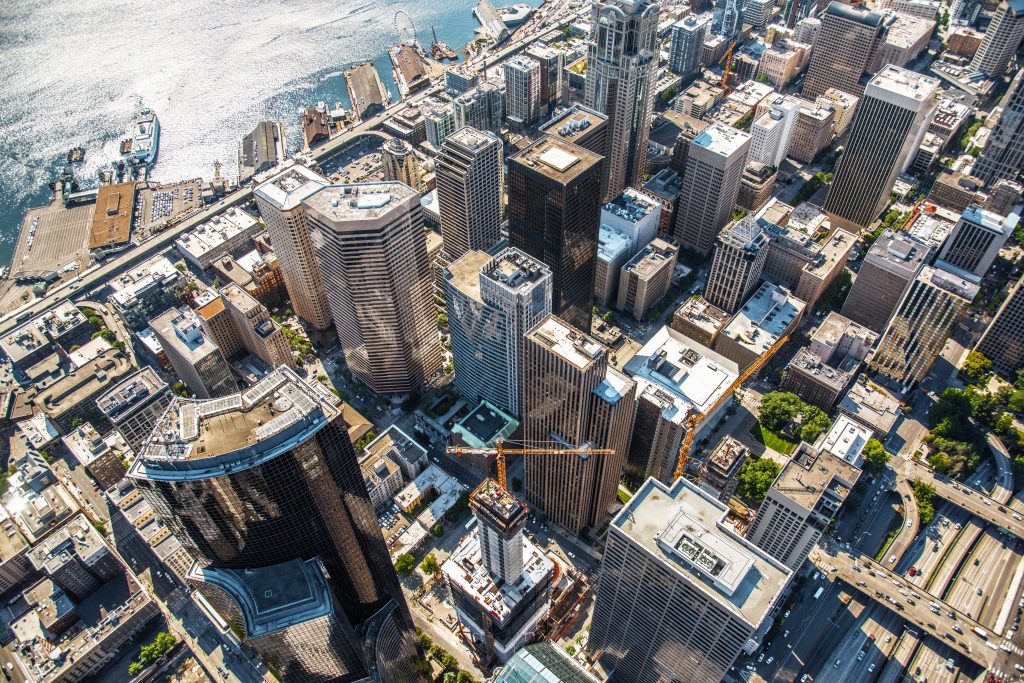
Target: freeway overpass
(984, 507)
(891, 591)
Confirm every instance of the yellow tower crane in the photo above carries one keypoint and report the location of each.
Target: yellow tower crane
(500, 451)
(728, 67)
(694, 419)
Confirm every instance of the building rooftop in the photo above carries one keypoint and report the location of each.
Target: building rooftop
(908, 85)
(217, 231)
(721, 140)
(360, 201)
(930, 228)
(290, 187)
(557, 158)
(433, 479)
(566, 342)
(872, 406)
(484, 425)
(573, 122)
(651, 258)
(514, 270)
(37, 513)
(764, 318)
(464, 273)
(275, 597)
(693, 376)
(84, 383)
(157, 271)
(898, 253)
(906, 30)
(611, 243)
(666, 184)
(846, 440)
(465, 569)
(112, 219)
(745, 234)
(181, 329)
(991, 220)
(630, 206)
(811, 473)
(397, 445)
(542, 661)
(12, 542)
(952, 280)
(86, 444)
(76, 537)
(196, 436)
(850, 13)
(684, 528)
(698, 312)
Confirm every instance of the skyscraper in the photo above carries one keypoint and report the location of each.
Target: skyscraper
(687, 40)
(844, 49)
(551, 63)
(795, 513)
(280, 203)
(482, 108)
(922, 323)
(522, 90)
(622, 57)
(887, 129)
(1003, 341)
(736, 267)
(281, 452)
(399, 163)
(1002, 38)
(977, 238)
(492, 302)
(1003, 155)
(713, 169)
(770, 133)
(373, 256)
(554, 208)
(193, 354)
(469, 183)
(891, 264)
(571, 398)
(680, 592)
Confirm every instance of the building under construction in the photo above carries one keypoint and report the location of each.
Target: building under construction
(500, 582)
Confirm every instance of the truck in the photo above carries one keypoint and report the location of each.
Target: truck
(817, 593)
(980, 633)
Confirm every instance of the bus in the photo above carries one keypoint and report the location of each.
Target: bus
(817, 593)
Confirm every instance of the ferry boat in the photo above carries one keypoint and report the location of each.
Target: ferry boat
(145, 137)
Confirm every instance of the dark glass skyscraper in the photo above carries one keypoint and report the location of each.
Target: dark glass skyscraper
(554, 210)
(266, 477)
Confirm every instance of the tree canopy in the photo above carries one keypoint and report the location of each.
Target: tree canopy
(875, 456)
(779, 409)
(756, 477)
(977, 367)
(405, 563)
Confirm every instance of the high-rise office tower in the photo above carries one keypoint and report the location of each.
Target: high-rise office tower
(469, 182)
(482, 108)
(889, 268)
(280, 203)
(681, 593)
(796, 511)
(806, 29)
(399, 163)
(522, 90)
(922, 323)
(584, 127)
(551, 62)
(976, 239)
(1002, 38)
(622, 58)
(193, 354)
(280, 451)
(1003, 341)
(770, 133)
(844, 49)
(501, 518)
(756, 185)
(573, 399)
(732, 19)
(373, 257)
(687, 40)
(758, 12)
(554, 208)
(1003, 155)
(492, 302)
(713, 169)
(736, 267)
(256, 331)
(887, 129)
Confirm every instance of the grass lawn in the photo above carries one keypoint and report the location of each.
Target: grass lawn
(772, 440)
(623, 494)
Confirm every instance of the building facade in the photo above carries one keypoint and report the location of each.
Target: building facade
(469, 186)
(736, 266)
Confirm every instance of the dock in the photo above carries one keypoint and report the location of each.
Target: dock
(490, 19)
(365, 90)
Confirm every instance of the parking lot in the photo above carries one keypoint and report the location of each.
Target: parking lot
(157, 204)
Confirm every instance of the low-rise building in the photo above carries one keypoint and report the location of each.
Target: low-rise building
(135, 404)
(483, 427)
(74, 395)
(646, 278)
(382, 476)
(821, 372)
(873, 407)
(955, 190)
(771, 313)
(700, 321)
(718, 470)
(844, 105)
(223, 234)
(845, 440)
(612, 254)
(61, 325)
(105, 459)
(146, 290)
(410, 457)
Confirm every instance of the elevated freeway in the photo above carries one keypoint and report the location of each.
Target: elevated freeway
(947, 624)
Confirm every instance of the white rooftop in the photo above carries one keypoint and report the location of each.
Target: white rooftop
(846, 440)
(611, 243)
(764, 317)
(567, 342)
(721, 140)
(287, 189)
(558, 159)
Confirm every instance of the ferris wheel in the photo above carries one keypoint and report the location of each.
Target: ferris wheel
(405, 29)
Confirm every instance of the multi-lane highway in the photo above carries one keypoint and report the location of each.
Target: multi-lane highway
(928, 612)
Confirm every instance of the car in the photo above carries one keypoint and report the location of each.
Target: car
(769, 660)
(888, 639)
(786, 615)
(956, 627)
(786, 634)
(835, 664)
(803, 679)
(871, 667)
(760, 658)
(913, 571)
(860, 655)
(979, 591)
(909, 523)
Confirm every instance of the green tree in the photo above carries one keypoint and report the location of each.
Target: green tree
(813, 421)
(977, 367)
(134, 669)
(924, 494)
(779, 408)
(1016, 401)
(756, 477)
(607, 317)
(430, 565)
(442, 320)
(875, 456)
(77, 422)
(571, 649)
(405, 563)
(436, 529)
